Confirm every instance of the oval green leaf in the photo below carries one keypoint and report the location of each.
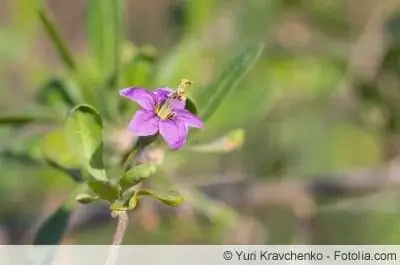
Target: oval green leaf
(104, 190)
(136, 175)
(84, 130)
(56, 148)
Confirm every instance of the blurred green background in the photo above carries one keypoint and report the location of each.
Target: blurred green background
(320, 110)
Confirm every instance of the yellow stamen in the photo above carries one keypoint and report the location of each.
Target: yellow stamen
(164, 111)
(185, 83)
(181, 90)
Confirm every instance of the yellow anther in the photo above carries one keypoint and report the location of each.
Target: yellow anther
(181, 90)
(183, 85)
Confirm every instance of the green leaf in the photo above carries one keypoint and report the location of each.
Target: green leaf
(61, 95)
(85, 198)
(74, 173)
(105, 190)
(213, 95)
(133, 201)
(55, 37)
(191, 106)
(10, 156)
(136, 175)
(128, 201)
(56, 149)
(11, 119)
(54, 227)
(172, 198)
(55, 90)
(138, 68)
(228, 143)
(84, 134)
(105, 26)
(118, 206)
(24, 149)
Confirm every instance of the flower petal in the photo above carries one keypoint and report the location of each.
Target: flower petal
(178, 104)
(141, 96)
(162, 93)
(165, 92)
(144, 123)
(189, 119)
(174, 132)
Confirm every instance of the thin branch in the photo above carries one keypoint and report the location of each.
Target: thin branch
(123, 220)
(242, 192)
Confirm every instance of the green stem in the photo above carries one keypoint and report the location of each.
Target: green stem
(128, 160)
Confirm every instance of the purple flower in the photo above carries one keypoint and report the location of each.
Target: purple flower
(162, 113)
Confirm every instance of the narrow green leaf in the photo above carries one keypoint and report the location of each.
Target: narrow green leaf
(10, 156)
(54, 227)
(60, 95)
(104, 190)
(228, 143)
(84, 134)
(136, 175)
(55, 90)
(15, 119)
(10, 119)
(24, 150)
(105, 26)
(85, 198)
(172, 198)
(213, 95)
(55, 37)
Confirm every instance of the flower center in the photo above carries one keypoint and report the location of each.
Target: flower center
(164, 110)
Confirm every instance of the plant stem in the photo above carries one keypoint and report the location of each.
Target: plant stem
(128, 161)
(123, 219)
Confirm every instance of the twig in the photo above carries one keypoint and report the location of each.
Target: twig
(123, 219)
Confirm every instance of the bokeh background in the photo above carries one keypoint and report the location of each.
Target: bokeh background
(320, 110)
